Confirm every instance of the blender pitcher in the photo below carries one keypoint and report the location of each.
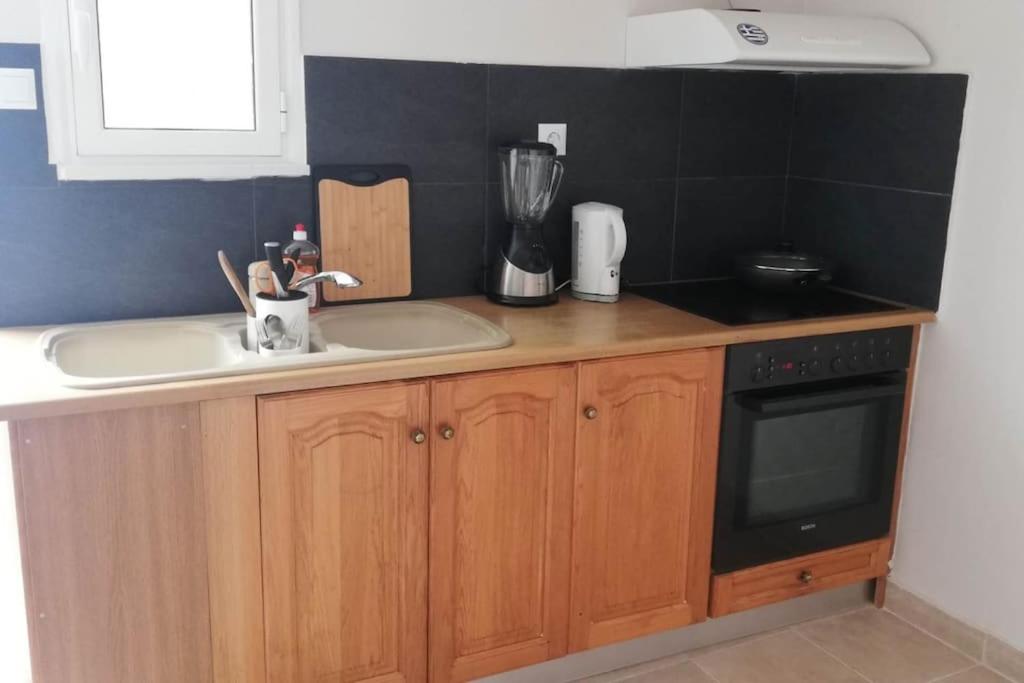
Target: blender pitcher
(523, 274)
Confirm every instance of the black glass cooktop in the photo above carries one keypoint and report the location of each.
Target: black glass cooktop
(733, 303)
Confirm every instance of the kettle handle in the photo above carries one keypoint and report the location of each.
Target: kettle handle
(618, 249)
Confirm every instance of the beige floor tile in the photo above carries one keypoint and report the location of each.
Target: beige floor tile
(782, 658)
(908, 606)
(885, 648)
(1005, 659)
(978, 674)
(636, 672)
(680, 673)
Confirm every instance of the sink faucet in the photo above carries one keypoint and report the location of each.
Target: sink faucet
(338, 277)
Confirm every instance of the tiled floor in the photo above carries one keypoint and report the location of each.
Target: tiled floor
(864, 646)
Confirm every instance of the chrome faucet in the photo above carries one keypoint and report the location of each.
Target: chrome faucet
(339, 278)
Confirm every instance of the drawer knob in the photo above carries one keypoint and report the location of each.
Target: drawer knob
(806, 576)
(418, 436)
(447, 433)
(590, 413)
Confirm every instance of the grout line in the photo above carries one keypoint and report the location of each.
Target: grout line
(833, 656)
(485, 246)
(255, 242)
(784, 223)
(675, 185)
(852, 183)
(935, 637)
(742, 640)
(705, 671)
(955, 673)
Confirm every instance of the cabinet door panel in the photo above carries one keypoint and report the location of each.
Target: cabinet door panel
(140, 540)
(645, 472)
(344, 534)
(501, 492)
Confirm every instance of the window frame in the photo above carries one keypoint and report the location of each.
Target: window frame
(82, 149)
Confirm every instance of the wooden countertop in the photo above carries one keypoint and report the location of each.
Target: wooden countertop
(572, 330)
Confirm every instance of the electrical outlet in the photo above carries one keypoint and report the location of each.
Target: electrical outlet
(554, 133)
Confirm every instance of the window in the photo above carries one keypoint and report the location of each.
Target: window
(173, 88)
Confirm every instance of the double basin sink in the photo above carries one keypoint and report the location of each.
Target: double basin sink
(148, 352)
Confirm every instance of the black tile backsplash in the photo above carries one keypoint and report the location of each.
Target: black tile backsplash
(891, 130)
(698, 160)
(887, 243)
(623, 124)
(735, 123)
(99, 251)
(447, 239)
(23, 152)
(427, 115)
(717, 218)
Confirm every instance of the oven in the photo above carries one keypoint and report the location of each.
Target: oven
(810, 442)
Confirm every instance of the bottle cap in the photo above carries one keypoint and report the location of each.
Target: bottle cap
(300, 232)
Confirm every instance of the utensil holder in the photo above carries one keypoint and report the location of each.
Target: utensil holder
(293, 313)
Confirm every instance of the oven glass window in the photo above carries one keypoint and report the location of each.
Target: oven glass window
(812, 462)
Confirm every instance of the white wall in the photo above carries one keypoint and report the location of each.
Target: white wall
(19, 21)
(961, 539)
(570, 32)
(548, 32)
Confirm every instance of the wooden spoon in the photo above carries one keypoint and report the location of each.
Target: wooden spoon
(235, 283)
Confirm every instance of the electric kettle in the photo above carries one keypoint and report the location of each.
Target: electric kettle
(598, 245)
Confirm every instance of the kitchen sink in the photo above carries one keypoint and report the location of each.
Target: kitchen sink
(154, 351)
(142, 350)
(410, 328)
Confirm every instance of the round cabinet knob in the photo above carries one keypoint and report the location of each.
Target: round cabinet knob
(447, 433)
(418, 436)
(806, 576)
(590, 413)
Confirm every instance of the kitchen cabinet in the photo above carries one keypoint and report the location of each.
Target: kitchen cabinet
(758, 586)
(141, 544)
(306, 536)
(646, 454)
(501, 506)
(343, 490)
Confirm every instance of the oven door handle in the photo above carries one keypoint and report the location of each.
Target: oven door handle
(821, 400)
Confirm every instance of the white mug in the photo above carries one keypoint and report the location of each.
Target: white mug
(289, 335)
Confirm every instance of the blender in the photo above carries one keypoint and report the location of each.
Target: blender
(522, 273)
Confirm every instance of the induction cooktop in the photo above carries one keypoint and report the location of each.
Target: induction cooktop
(732, 303)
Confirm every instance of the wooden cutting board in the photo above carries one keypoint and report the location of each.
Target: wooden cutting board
(364, 230)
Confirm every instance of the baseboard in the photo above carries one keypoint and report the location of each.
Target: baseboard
(711, 632)
(971, 641)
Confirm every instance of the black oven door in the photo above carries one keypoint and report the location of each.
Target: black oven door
(806, 468)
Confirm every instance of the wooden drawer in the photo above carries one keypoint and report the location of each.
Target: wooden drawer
(749, 588)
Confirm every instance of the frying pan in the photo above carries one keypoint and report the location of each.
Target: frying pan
(783, 269)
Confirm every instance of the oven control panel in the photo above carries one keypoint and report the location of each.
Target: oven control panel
(813, 359)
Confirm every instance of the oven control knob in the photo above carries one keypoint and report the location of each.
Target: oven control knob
(815, 367)
(869, 359)
(853, 362)
(886, 357)
(837, 364)
(757, 374)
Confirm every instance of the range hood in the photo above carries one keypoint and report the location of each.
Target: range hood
(696, 37)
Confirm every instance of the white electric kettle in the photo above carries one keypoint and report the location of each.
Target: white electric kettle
(598, 245)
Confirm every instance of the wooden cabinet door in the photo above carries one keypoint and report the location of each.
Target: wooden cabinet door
(140, 542)
(501, 508)
(344, 500)
(647, 449)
